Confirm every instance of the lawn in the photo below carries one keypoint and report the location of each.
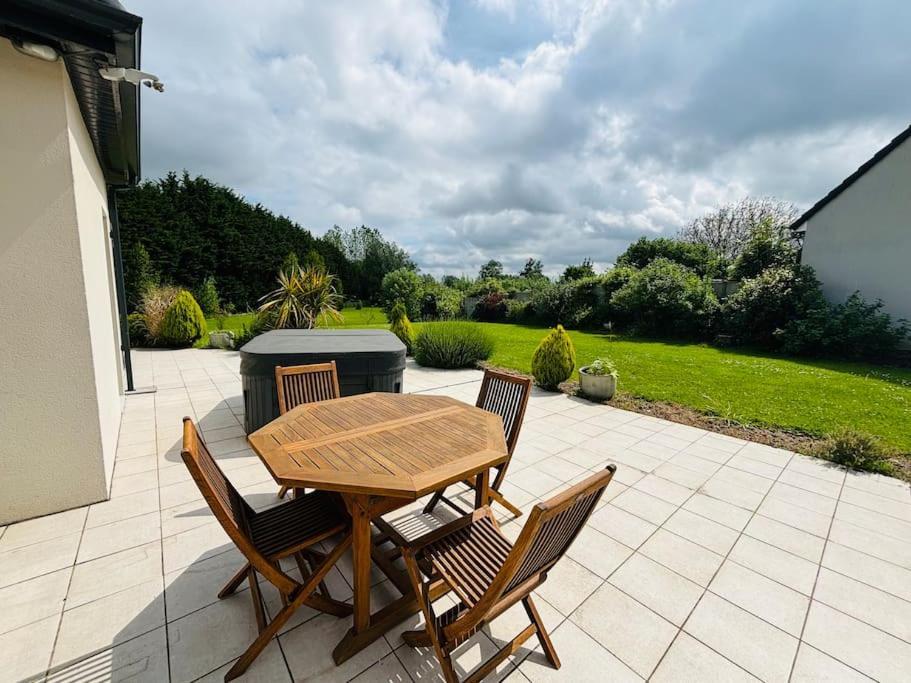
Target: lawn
(742, 385)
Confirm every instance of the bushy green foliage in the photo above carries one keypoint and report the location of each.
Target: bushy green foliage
(138, 274)
(854, 329)
(207, 296)
(601, 367)
(139, 334)
(486, 286)
(402, 286)
(401, 326)
(572, 303)
(155, 304)
(696, 257)
(583, 270)
(518, 311)
(452, 344)
(765, 305)
(554, 359)
(666, 298)
(183, 322)
(856, 450)
(533, 268)
(263, 321)
(768, 247)
(439, 302)
(314, 259)
(491, 269)
(491, 308)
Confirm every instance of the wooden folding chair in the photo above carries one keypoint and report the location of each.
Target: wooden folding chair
(489, 574)
(299, 384)
(507, 396)
(287, 530)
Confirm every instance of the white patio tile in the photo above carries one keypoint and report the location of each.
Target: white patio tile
(702, 531)
(860, 646)
(114, 573)
(664, 489)
(388, 670)
(669, 594)
(568, 585)
(145, 463)
(882, 505)
(887, 487)
(598, 552)
(196, 586)
(745, 480)
(733, 494)
(884, 547)
(869, 519)
(43, 529)
(864, 602)
(813, 484)
(814, 467)
(626, 628)
(117, 536)
(583, 660)
(183, 549)
(560, 468)
(870, 570)
(27, 650)
(534, 481)
(29, 561)
(621, 525)
(794, 516)
(124, 485)
(763, 650)
(781, 566)
(743, 462)
(33, 600)
(813, 666)
(144, 658)
(690, 660)
(108, 621)
(718, 511)
(645, 506)
(688, 559)
(761, 596)
(798, 497)
(785, 537)
(682, 475)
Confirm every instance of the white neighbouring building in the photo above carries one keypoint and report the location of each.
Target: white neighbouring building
(68, 139)
(858, 237)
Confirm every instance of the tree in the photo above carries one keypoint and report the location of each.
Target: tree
(768, 247)
(697, 257)
(207, 296)
(584, 269)
(370, 258)
(402, 286)
(491, 269)
(138, 274)
(533, 268)
(314, 259)
(727, 229)
(291, 263)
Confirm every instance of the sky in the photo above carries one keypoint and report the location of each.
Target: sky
(552, 129)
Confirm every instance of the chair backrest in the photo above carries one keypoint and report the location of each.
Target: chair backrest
(507, 396)
(551, 528)
(305, 384)
(228, 506)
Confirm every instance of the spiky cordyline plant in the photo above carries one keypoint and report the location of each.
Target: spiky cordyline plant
(302, 297)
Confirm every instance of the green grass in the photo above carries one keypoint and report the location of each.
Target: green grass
(747, 386)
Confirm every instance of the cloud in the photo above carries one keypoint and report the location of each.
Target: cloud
(557, 129)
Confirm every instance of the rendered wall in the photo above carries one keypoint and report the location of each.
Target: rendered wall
(59, 368)
(861, 240)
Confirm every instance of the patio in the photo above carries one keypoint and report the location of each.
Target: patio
(709, 557)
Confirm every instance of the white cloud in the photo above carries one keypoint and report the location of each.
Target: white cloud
(615, 119)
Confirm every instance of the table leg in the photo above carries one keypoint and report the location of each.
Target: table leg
(482, 490)
(361, 560)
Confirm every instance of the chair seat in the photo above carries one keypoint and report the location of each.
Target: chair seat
(468, 559)
(285, 528)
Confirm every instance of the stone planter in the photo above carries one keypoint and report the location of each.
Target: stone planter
(597, 387)
(221, 340)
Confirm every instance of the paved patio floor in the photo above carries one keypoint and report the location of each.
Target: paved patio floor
(713, 559)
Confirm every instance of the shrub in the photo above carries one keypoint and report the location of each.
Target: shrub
(697, 257)
(402, 286)
(401, 327)
(263, 321)
(854, 329)
(764, 306)
(554, 359)
(138, 275)
(485, 286)
(601, 367)
(155, 303)
(491, 308)
(207, 296)
(768, 247)
(855, 450)
(518, 311)
(452, 345)
(183, 322)
(439, 302)
(666, 298)
(571, 303)
(139, 334)
(302, 298)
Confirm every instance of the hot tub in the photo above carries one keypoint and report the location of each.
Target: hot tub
(366, 360)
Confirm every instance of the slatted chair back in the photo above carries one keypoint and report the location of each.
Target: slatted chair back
(550, 530)
(506, 396)
(228, 506)
(305, 384)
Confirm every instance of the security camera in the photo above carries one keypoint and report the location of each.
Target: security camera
(134, 76)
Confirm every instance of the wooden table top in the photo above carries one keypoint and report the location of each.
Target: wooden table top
(382, 444)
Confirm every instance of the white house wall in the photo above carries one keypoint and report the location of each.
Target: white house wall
(861, 240)
(59, 368)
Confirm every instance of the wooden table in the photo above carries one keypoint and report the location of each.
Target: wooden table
(379, 452)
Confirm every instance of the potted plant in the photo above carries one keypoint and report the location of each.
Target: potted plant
(599, 380)
(221, 339)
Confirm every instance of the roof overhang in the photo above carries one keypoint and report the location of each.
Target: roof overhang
(91, 34)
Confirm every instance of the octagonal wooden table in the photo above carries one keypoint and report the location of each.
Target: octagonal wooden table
(379, 452)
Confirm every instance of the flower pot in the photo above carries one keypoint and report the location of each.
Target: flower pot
(221, 340)
(597, 387)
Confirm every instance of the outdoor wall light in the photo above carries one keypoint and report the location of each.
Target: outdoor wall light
(134, 76)
(37, 50)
